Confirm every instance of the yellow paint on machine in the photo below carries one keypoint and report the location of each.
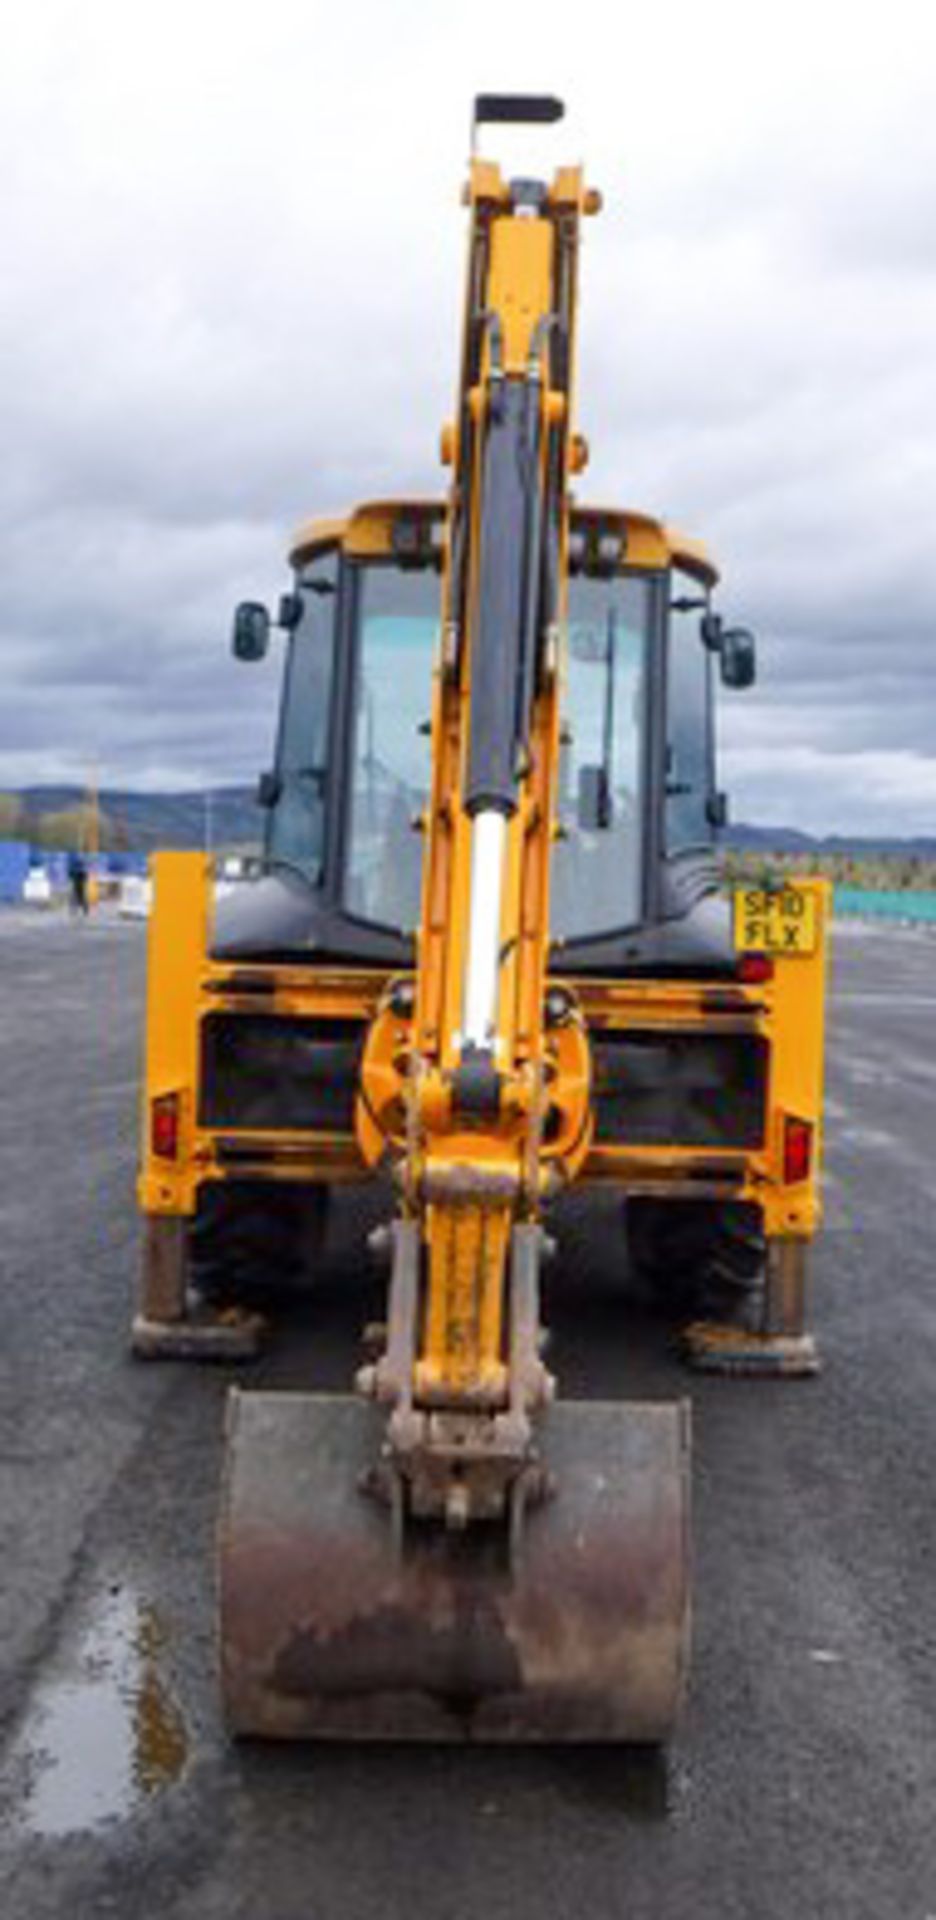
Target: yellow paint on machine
(186, 984)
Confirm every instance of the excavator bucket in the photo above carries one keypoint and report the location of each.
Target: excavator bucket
(331, 1630)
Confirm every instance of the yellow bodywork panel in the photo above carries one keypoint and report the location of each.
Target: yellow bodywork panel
(797, 997)
(520, 291)
(178, 939)
(787, 1010)
(185, 985)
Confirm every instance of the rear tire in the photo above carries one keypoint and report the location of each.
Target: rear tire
(698, 1259)
(252, 1241)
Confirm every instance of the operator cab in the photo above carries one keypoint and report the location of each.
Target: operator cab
(638, 804)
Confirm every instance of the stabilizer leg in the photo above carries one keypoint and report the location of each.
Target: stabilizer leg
(169, 1326)
(781, 1347)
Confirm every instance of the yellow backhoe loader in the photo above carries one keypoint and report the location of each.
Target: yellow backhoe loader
(487, 957)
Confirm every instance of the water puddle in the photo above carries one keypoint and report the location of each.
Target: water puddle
(106, 1736)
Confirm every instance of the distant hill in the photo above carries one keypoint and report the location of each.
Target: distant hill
(229, 817)
(746, 839)
(222, 816)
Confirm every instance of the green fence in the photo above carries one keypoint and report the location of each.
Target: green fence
(877, 904)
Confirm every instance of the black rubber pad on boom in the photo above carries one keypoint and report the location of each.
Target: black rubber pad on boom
(517, 108)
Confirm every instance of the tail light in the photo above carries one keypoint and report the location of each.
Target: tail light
(755, 968)
(797, 1149)
(164, 1126)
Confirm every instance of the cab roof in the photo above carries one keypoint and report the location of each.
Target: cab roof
(368, 530)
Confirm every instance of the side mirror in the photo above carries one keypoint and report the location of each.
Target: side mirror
(594, 799)
(251, 635)
(737, 657)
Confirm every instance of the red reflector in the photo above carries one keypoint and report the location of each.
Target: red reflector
(753, 968)
(164, 1125)
(797, 1149)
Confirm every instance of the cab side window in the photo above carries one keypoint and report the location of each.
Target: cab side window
(297, 821)
(688, 730)
(597, 869)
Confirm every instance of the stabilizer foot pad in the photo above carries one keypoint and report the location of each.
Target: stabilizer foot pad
(713, 1348)
(231, 1335)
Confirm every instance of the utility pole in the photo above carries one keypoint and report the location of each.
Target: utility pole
(92, 833)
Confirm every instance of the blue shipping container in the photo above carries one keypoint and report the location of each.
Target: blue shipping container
(14, 866)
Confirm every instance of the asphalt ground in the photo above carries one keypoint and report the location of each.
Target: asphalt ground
(803, 1779)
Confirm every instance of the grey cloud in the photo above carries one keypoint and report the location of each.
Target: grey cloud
(235, 301)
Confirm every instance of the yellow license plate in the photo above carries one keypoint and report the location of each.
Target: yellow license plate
(768, 922)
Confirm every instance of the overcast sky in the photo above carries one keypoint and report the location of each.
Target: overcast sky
(232, 248)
